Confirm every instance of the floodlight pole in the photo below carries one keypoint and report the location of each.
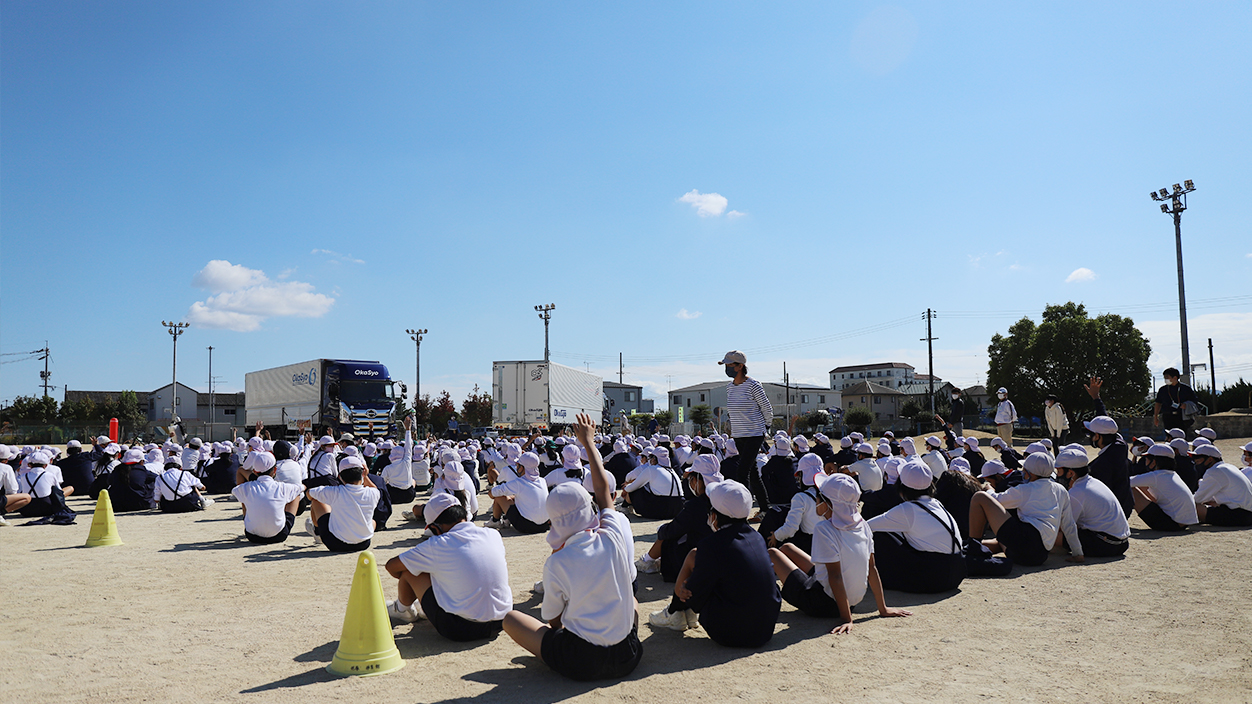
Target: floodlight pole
(416, 336)
(1178, 203)
(174, 329)
(545, 312)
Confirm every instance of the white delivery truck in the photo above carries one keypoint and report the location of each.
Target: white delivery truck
(336, 394)
(527, 395)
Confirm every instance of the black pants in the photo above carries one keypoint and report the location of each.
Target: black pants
(904, 568)
(1096, 544)
(748, 447)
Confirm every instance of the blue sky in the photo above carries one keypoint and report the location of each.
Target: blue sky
(303, 180)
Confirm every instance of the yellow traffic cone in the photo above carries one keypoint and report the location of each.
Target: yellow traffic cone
(366, 646)
(103, 525)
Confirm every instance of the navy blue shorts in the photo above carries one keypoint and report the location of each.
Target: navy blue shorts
(289, 520)
(1022, 542)
(455, 627)
(332, 541)
(579, 660)
(806, 593)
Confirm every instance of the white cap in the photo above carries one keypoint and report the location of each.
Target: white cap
(1160, 451)
(1248, 447)
(933, 441)
(845, 442)
(1002, 390)
(730, 498)
(1201, 441)
(1145, 440)
(437, 505)
(1177, 433)
(992, 468)
(326, 440)
(998, 441)
(73, 443)
(1180, 445)
(734, 356)
(1034, 447)
(708, 468)
(1101, 425)
(1207, 433)
(263, 462)
(102, 440)
(959, 464)
(1071, 458)
(134, 456)
(972, 442)
(1039, 464)
(865, 448)
(345, 463)
(915, 474)
(1208, 451)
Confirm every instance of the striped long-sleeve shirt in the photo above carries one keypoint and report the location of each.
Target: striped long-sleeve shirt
(749, 409)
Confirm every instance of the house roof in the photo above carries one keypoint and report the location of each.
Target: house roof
(615, 385)
(864, 367)
(699, 387)
(805, 387)
(869, 387)
(978, 390)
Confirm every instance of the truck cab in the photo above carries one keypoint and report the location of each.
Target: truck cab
(360, 398)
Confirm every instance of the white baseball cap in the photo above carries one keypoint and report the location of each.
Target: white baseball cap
(1208, 451)
(1101, 425)
(730, 498)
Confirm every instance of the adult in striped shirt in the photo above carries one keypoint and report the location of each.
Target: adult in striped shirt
(750, 415)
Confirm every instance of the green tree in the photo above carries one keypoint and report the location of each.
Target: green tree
(441, 412)
(640, 422)
(858, 418)
(701, 415)
(910, 408)
(125, 408)
(664, 418)
(81, 411)
(31, 410)
(421, 409)
(1060, 354)
(476, 408)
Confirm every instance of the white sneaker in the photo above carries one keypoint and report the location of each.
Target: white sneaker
(408, 515)
(676, 621)
(308, 526)
(399, 612)
(693, 618)
(3, 522)
(208, 503)
(538, 587)
(646, 566)
(496, 523)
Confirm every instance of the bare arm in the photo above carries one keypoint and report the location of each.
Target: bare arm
(680, 585)
(584, 429)
(834, 577)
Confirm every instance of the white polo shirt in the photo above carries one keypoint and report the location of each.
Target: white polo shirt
(265, 498)
(1096, 508)
(36, 481)
(322, 464)
(1172, 495)
(934, 459)
(929, 533)
(1043, 504)
(467, 570)
(801, 517)
(587, 582)
(868, 474)
(176, 483)
(7, 479)
(1225, 485)
(290, 472)
(658, 480)
(529, 495)
(351, 510)
(851, 549)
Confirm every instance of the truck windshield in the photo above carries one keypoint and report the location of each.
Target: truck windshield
(364, 391)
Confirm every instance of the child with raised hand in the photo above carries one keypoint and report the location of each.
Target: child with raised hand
(842, 566)
(588, 601)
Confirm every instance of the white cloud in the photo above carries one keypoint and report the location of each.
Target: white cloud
(244, 297)
(685, 315)
(220, 275)
(336, 256)
(1080, 274)
(735, 214)
(286, 274)
(707, 205)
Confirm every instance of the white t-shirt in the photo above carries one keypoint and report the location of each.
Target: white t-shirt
(801, 517)
(36, 481)
(7, 479)
(466, 484)
(920, 529)
(265, 500)
(1224, 484)
(290, 472)
(400, 472)
(587, 582)
(868, 474)
(351, 510)
(529, 495)
(1172, 495)
(658, 480)
(176, 483)
(934, 459)
(1043, 504)
(558, 476)
(467, 571)
(322, 464)
(851, 549)
(1096, 508)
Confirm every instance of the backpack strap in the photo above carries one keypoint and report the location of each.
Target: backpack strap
(956, 543)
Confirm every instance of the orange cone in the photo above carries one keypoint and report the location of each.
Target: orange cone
(366, 646)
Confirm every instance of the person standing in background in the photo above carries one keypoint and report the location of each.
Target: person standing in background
(750, 415)
(1170, 409)
(957, 414)
(1058, 423)
(1006, 416)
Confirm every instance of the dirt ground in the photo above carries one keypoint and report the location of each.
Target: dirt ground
(186, 612)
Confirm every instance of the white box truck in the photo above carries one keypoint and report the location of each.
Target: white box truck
(339, 394)
(527, 395)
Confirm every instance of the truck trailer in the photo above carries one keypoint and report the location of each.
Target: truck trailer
(338, 394)
(527, 395)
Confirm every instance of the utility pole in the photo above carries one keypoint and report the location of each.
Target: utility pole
(416, 336)
(1212, 370)
(174, 329)
(210, 438)
(620, 368)
(1178, 203)
(930, 354)
(545, 312)
(787, 391)
(45, 374)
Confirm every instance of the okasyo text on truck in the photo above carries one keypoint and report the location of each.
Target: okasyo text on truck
(342, 395)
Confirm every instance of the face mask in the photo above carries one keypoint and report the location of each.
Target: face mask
(955, 397)
(1003, 396)
(1136, 451)
(730, 372)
